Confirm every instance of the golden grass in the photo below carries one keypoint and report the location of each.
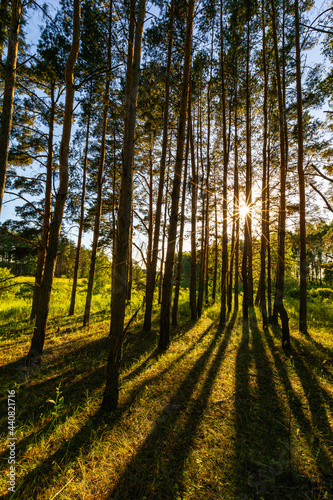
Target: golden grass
(223, 414)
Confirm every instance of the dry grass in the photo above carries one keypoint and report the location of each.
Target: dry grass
(223, 414)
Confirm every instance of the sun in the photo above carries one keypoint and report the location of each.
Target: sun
(243, 210)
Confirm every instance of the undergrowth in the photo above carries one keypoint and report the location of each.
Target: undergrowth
(223, 414)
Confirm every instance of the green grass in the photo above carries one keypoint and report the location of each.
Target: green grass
(223, 414)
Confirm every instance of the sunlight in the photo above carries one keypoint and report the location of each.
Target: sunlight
(243, 210)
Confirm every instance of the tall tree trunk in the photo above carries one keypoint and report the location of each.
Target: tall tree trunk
(83, 195)
(301, 180)
(194, 197)
(151, 269)
(9, 90)
(47, 212)
(262, 281)
(247, 254)
(268, 236)
(181, 237)
(164, 339)
(160, 277)
(120, 274)
(203, 219)
(208, 176)
(224, 276)
(130, 262)
(216, 244)
(37, 343)
(279, 308)
(99, 202)
(236, 198)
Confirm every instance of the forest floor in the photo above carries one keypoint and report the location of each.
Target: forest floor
(223, 414)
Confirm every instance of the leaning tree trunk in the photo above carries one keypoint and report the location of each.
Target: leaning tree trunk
(47, 212)
(120, 270)
(301, 180)
(37, 343)
(9, 90)
(164, 338)
(151, 268)
(279, 308)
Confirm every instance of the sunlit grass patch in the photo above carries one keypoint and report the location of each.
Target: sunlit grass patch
(223, 413)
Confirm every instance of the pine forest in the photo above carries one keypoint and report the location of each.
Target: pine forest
(166, 249)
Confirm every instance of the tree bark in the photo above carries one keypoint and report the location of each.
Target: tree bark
(279, 308)
(236, 198)
(79, 239)
(194, 198)
(301, 180)
(181, 236)
(120, 271)
(99, 202)
(9, 90)
(262, 280)
(47, 212)
(151, 269)
(37, 343)
(164, 338)
(224, 276)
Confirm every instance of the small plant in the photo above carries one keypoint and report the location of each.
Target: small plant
(58, 403)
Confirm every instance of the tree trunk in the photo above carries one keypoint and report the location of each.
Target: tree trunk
(194, 191)
(37, 343)
(247, 254)
(262, 281)
(203, 216)
(268, 237)
(99, 202)
(151, 269)
(181, 236)
(47, 212)
(279, 287)
(130, 262)
(224, 276)
(236, 198)
(164, 339)
(79, 239)
(301, 180)
(9, 90)
(120, 274)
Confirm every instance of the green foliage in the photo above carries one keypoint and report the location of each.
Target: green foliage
(321, 293)
(6, 283)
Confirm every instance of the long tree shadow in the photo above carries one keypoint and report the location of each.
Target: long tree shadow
(157, 469)
(319, 453)
(242, 407)
(266, 451)
(88, 433)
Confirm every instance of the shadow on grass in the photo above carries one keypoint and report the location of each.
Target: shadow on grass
(156, 471)
(80, 443)
(262, 437)
(313, 434)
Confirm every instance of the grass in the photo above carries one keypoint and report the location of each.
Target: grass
(223, 414)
